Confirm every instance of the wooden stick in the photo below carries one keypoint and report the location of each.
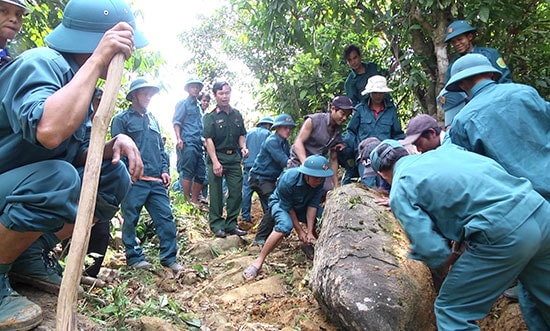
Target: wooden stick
(68, 294)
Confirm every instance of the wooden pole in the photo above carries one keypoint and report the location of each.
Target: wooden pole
(68, 294)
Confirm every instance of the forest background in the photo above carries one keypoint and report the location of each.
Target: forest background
(293, 48)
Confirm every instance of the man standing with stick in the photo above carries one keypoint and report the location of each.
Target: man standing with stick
(44, 133)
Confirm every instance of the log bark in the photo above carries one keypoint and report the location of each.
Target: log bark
(361, 275)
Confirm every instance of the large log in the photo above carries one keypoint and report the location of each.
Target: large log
(361, 276)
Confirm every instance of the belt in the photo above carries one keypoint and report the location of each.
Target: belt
(226, 151)
(150, 179)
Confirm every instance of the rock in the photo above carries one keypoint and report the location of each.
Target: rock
(269, 286)
(209, 249)
(361, 276)
(155, 324)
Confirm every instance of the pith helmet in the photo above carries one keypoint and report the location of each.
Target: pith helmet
(316, 166)
(192, 80)
(265, 120)
(457, 28)
(452, 103)
(18, 3)
(84, 23)
(140, 83)
(283, 120)
(467, 66)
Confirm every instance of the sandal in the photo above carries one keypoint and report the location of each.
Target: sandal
(250, 272)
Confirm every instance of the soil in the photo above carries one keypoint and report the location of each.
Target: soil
(211, 293)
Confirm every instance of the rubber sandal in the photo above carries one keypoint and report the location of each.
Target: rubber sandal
(250, 272)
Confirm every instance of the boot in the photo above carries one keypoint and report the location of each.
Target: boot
(16, 311)
(38, 266)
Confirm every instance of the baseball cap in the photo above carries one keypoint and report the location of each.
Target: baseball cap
(416, 126)
(342, 102)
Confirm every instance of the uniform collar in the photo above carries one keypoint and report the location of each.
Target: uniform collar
(480, 86)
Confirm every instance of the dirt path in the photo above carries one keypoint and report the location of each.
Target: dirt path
(211, 293)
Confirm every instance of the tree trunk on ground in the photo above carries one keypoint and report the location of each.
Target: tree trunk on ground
(361, 276)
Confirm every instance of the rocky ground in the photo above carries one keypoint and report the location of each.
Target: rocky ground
(211, 293)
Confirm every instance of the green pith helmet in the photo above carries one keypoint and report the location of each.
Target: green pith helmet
(467, 66)
(192, 80)
(452, 103)
(18, 3)
(84, 23)
(457, 28)
(316, 166)
(386, 146)
(140, 83)
(283, 120)
(265, 120)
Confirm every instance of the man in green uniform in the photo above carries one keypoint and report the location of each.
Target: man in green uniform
(224, 134)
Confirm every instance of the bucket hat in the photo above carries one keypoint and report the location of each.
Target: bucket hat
(467, 66)
(265, 120)
(192, 80)
(18, 3)
(379, 152)
(283, 120)
(84, 23)
(457, 28)
(451, 103)
(139, 83)
(376, 83)
(316, 166)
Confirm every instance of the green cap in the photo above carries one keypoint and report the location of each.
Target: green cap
(265, 120)
(86, 21)
(467, 66)
(192, 80)
(316, 166)
(283, 120)
(140, 83)
(457, 28)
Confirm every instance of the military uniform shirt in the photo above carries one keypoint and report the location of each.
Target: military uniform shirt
(33, 77)
(293, 192)
(355, 83)
(458, 200)
(145, 131)
(364, 123)
(510, 123)
(224, 129)
(496, 61)
(188, 116)
(254, 140)
(272, 159)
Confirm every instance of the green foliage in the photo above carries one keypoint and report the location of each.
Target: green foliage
(116, 307)
(294, 47)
